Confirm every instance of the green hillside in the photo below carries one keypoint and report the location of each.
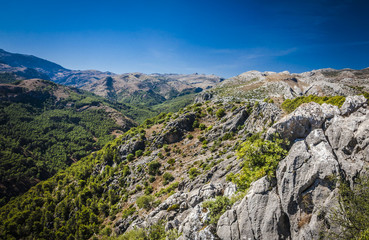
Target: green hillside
(44, 127)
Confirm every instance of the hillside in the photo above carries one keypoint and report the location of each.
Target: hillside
(214, 170)
(152, 94)
(254, 85)
(45, 127)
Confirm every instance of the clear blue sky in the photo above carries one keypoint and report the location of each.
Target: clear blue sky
(221, 37)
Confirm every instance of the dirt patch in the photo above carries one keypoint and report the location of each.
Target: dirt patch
(252, 86)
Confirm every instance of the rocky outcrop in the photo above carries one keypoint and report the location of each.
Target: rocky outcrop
(352, 104)
(263, 115)
(175, 130)
(326, 143)
(234, 122)
(131, 146)
(254, 85)
(203, 97)
(189, 217)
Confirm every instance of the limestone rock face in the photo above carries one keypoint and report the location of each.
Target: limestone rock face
(263, 115)
(131, 146)
(352, 103)
(300, 122)
(175, 130)
(325, 142)
(203, 97)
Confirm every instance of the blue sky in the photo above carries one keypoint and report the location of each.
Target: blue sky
(213, 37)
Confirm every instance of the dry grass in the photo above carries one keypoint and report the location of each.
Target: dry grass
(304, 219)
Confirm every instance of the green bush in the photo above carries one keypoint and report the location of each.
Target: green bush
(216, 208)
(166, 147)
(220, 113)
(154, 167)
(351, 215)
(138, 153)
(148, 190)
(130, 157)
(160, 155)
(170, 189)
(289, 105)
(261, 157)
(171, 161)
(154, 232)
(173, 207)
(145, 202)
(193, 172)
(202, 126)
(190, 136)
(167, 178)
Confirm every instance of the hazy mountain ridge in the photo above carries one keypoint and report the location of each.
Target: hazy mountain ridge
(11, 62)
(166, 86)
(147, 94)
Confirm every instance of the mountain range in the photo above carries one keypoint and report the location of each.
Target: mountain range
(261, 155)
(146, 90)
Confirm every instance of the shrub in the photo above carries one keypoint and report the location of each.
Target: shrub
(106, 231)
(147, 153)
(171, 161)
(130, 157)
(160, 155)
(351, 215)
(138, 153)
(154, 232)
(201, 138)
(193, 172)
(220, 113)
(148, 190)
(152, 179)
(190, 136)
(289, 105)
(169, 189)
(216, 208)
(202, 126)
(173, 207)
(145, 202)
(261, 157)
(154, 167)
(166, 148)
(167, 178)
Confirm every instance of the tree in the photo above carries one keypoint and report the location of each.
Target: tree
(261, 157)
(220, 113)
(351, 216)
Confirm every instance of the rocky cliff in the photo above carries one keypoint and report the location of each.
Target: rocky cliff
(326, 143)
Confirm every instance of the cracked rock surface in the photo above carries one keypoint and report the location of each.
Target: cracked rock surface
(325, 142)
